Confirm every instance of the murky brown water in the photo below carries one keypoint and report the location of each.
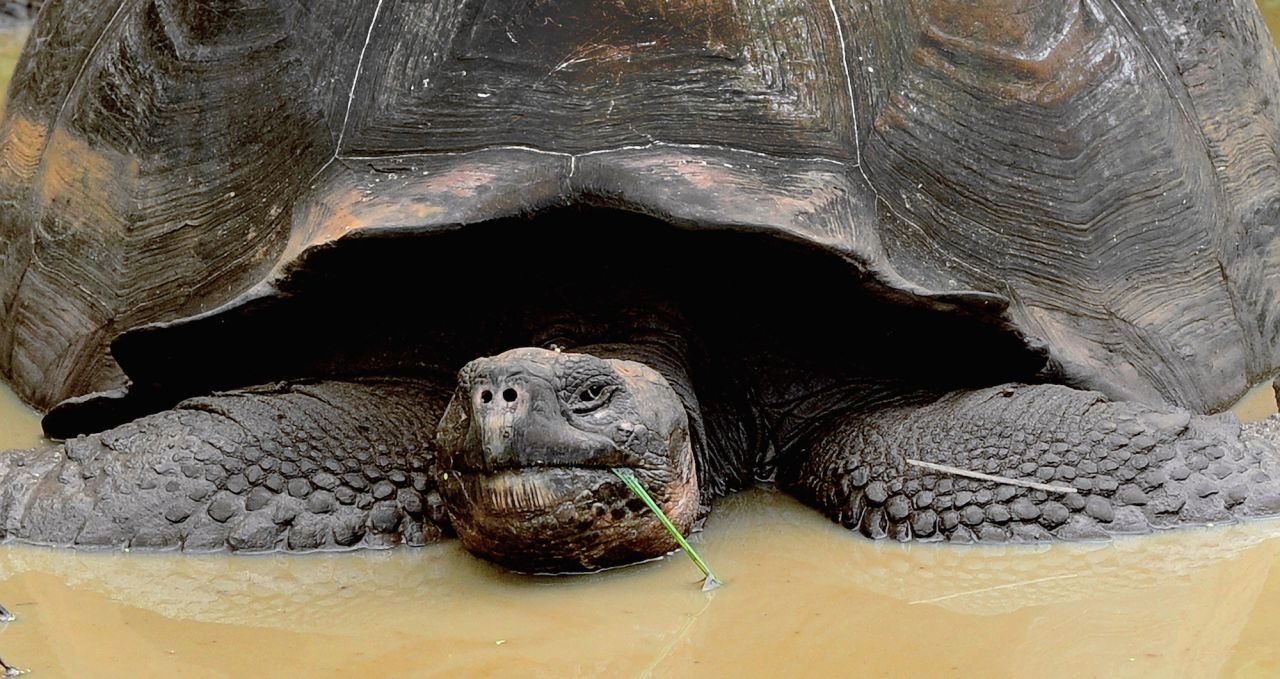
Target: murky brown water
(11, 40)
(19, 425)
(804, 598)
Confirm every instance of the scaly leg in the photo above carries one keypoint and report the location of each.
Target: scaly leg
(304, 466)
(1025, 463)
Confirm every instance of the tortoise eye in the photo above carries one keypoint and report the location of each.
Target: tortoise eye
(592, 396)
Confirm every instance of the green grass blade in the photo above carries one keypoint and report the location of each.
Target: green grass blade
(634, 484)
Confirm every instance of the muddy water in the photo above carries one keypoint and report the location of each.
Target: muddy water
(804, 598)
(19, 425)
(11, 40)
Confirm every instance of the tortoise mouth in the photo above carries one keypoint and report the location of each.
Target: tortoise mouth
(547, 470)
(537, 489)
(563, 519)
(552, 462)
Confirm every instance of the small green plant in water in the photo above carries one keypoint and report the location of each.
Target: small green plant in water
(629, 478)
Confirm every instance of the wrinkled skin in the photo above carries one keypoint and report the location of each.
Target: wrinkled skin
(527, 445)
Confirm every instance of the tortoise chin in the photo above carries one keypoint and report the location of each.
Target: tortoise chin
(528, 445)
(561, 519)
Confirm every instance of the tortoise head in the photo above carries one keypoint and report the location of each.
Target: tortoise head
(528, 444)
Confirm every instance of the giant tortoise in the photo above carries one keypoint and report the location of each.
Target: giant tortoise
(943, 269)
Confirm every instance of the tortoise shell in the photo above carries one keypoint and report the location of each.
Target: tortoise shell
(1098, 178)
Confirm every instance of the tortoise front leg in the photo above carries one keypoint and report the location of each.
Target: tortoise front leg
(1025, 463)
(318, 465)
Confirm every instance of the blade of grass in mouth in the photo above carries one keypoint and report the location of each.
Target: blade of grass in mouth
(629, 478)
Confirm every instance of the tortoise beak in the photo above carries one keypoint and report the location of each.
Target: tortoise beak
(517, 422)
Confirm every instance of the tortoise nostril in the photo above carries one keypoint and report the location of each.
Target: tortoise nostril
(509, 395)
(486, 396)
